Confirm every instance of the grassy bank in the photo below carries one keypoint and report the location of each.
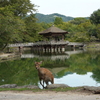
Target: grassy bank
(41, 90)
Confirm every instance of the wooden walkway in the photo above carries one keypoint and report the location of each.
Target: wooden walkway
(76, 43)
(21, 45)
(46, 43)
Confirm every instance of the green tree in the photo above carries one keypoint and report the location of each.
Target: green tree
(58, 20)
(78, 20)
(19, 7)
(80, 37)
(16, 24)
(32, 29)
(98, 30)
(95, 17)
(11, 27)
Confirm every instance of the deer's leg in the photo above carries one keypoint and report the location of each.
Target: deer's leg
(47, 83)
(41, 82)
(52, 81)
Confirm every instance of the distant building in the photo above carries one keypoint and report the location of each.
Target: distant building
(54, 40)
(54, 33)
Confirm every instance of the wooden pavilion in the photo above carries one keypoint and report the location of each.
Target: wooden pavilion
(54, 34)
(54, 40)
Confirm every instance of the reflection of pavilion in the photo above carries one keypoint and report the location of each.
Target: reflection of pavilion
(74, 52)
(66, 55)
(53, 57)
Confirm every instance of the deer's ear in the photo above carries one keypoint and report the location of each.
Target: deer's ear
(35, 62)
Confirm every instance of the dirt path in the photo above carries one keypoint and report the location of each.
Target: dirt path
(10, 95)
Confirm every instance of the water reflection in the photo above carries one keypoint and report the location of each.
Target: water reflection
(74, 68)
(74, 80)
(52, 56)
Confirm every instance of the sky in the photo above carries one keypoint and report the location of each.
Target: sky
(73, 8)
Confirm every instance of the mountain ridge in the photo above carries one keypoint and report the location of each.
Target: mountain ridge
(51, 17)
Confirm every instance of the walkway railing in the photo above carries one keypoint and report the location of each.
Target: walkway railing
(20, 44)
(51, 42)
(45, 43)
(38, 43)
(75, 43)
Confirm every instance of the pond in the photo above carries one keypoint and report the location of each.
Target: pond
(74, 68)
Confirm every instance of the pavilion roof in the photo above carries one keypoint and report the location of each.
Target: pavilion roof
(53, 29)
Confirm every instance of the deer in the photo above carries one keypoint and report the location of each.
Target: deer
(44, 75)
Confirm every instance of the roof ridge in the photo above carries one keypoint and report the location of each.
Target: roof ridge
(53, 29)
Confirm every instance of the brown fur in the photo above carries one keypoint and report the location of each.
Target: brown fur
(44, 74)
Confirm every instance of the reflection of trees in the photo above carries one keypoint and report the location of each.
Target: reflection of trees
(84, 62)
(62, 73)
(96, 74)
(55, 63)
(21, 72)
(81, 63)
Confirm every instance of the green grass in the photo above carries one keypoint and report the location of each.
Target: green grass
(40, 90)
(13, 89)
(64, 89)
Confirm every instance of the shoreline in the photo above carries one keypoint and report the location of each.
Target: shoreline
(51, 87)
(78, 94)
(47, 95)
(8, 56)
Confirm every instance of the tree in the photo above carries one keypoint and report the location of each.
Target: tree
(81, 37)
(98, 30)
(78, 20)
(58, 20)
(32, 29)
(19, 7)
(95, 17)
(16, 24)
(11, 27)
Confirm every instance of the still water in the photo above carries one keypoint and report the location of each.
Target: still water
(74, 68)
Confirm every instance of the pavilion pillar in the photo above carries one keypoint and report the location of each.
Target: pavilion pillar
(63, 48)
(55, 48)
(52, 49)
(59, 49)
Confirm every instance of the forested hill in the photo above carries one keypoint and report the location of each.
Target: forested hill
(51, 17)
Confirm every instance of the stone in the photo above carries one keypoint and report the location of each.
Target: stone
(28, 86)
(32, 87)
(15, 86)
(95, 90)
(53, 86)
(8, 86)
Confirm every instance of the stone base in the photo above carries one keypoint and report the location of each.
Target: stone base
(95, 90)
(53, 86)
(18, 87)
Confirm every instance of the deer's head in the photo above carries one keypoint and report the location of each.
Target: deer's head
(37, 64)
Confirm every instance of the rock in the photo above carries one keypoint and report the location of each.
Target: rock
(28, 86)
(95, 90)
(8, 86)
(15, 86)
(32, 87)
(53, 86)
